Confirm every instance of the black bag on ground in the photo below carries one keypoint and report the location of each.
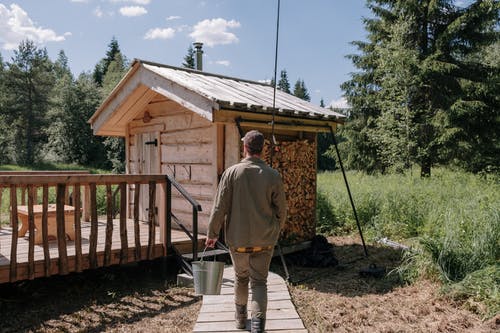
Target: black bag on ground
(320, 254)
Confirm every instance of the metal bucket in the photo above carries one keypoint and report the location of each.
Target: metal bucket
(207, 277)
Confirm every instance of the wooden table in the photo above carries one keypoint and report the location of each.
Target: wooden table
(69, 222)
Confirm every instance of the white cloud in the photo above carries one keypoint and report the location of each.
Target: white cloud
(98, 12)
(159, 33)
(80, 1)
(173, 17)
(137, 2)
(182, 28)
(133, 11)
(16, 25)
(214, 32)
(340, 103)
(226, 63)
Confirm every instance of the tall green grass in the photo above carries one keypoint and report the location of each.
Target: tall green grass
(451, 220)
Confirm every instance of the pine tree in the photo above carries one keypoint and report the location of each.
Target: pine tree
(61, 107)
(114, 72)
(324, 148)
(3, 90)
(189, 60)
(396, 126)
(101, 68)
(70, 137)
(412, 71)
(300, 90)
(5, 147)
(115, 147)
(471, 139)
(29, 80)
(61, 66)
(283, 83)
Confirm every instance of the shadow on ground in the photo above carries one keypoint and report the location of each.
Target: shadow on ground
(345, 278)
(92, 301)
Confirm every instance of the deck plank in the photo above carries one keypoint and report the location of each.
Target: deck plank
(217, 311)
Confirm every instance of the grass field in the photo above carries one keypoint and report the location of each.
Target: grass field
(451, 221)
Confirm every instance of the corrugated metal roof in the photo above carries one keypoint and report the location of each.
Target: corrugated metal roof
(240, 94)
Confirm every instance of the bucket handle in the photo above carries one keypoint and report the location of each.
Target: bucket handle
(203, 254)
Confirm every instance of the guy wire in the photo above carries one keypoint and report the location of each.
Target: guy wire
(275, 83)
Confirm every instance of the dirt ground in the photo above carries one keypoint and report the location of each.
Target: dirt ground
(138, 299)
(338, 299)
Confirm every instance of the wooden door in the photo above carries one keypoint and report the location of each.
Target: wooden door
(149, 163)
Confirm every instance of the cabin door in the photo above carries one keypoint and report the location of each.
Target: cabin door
(148, 151)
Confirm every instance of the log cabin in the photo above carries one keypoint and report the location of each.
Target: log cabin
(188, 123)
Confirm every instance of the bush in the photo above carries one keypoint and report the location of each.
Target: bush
(481, 286)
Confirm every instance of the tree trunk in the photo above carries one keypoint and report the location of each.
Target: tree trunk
(29, 127)
(425, 167)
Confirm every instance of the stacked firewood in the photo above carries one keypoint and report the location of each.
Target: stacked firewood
(296, 162)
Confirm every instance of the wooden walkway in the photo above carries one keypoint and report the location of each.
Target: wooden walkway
(217, 311)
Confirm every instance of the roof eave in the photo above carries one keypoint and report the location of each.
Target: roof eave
(135, 65)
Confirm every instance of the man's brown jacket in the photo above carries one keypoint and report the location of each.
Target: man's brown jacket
(251, 198)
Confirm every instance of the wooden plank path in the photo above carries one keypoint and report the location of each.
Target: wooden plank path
(217, 311)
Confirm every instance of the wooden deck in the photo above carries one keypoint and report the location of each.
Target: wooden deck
(179, 239)
(217, 312)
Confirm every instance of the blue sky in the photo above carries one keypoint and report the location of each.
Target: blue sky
(238, 35)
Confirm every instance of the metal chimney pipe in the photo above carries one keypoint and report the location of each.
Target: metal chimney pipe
(199, 55)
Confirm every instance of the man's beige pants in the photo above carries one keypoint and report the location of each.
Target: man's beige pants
(253, 267)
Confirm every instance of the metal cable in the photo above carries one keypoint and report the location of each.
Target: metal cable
(275, 82)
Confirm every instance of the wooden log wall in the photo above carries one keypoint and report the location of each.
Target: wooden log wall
(295, 159)
(187, 149)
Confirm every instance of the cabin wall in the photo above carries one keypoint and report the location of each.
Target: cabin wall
(232, 145)
(196, 151)
(187, 151)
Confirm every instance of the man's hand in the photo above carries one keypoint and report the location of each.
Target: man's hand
(210, 242)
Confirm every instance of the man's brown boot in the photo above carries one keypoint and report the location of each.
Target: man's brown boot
(241, 316)
(257, 325)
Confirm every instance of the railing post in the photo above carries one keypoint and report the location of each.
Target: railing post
(14, 223)
(168, 214)
(195, 233)
(61, 229)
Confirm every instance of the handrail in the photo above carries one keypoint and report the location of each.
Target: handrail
(47, 172)
(196, 208)
(179, 223)
(52, 180)
(186, 195)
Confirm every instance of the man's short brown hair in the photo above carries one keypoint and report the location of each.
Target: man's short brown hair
(254, 141)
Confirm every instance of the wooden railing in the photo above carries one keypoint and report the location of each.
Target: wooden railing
(86, 186)
(22, 189)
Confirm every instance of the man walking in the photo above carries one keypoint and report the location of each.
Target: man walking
(251, 200)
